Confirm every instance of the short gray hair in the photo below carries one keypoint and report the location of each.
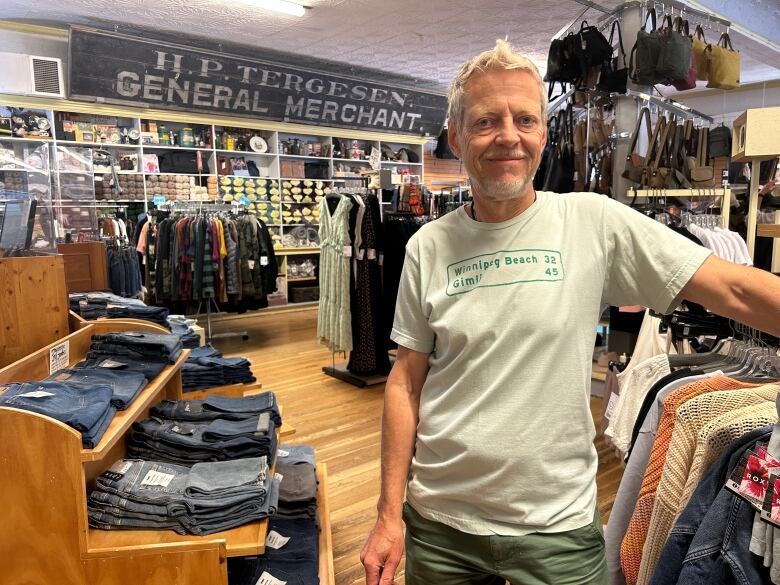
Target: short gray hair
(502, 56)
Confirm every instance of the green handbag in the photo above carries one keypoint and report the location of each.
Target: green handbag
(644, 55)
(674, 56)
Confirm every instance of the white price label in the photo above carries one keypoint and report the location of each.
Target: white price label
(361, 254)
(157, 478)
(348, 251)
(251, 264)
(267, 579)
(278, 476)
(263, 260)
(111, 364)
(126, 467)
(276, 540)
(59, 356)
(36, 394)
(282, 453)
(613, 400)
(375, 159)
(371, 254)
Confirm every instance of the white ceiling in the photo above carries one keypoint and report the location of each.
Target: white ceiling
(423, 39)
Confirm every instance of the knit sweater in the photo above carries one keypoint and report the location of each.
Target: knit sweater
(633, 389)
(693, 426)
(634, 540)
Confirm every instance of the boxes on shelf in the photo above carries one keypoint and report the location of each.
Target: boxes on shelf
(277, 299)
(303, 293)
(293, 169)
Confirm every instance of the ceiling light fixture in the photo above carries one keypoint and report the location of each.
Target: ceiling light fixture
(283, 6)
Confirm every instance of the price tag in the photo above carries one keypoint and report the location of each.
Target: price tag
(251, 264)
(278, 476)
(276, 540)
(361, 254)
(263, 260)
(36, 394)
(282, 453)
(245, 200)
(372, 254)
(158, 199)
(375, 159)
(613, 400)
(59, 356)
(347, 251)
(157, 478)
(111, 364)
(267, 579)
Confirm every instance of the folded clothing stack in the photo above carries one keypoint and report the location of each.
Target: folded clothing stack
(100, 304)
(84, 406)
(138, 344)
(189, 339)
(206, 368)
(187, 443)
(214, 407)
(125, 386)
(292, 545)
(204, 499)
(298, 482)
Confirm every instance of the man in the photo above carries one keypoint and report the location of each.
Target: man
(487, 407)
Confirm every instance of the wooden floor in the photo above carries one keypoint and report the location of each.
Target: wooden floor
(342, 423)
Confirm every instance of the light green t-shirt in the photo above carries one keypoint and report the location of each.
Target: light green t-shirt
(508, 312)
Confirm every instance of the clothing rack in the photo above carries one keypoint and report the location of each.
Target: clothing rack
(670, 105)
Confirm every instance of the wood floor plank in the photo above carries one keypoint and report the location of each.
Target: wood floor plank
(342, 422)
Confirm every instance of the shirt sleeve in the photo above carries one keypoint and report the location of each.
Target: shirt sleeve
(647, 263)
(410, 326)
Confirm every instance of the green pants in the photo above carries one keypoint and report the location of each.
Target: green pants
(439, 555)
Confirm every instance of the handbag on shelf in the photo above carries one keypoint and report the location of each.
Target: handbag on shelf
(723, 64)
(700, 53)
(689, 81)
(702, 175)
(674, 55)
(644, 55)
(655, 176)
(720, 141)
(635, 163)
(614, 71)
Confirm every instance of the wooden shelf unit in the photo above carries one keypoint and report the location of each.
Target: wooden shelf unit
(45, 536)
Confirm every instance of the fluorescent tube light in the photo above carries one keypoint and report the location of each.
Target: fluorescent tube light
(283, 6)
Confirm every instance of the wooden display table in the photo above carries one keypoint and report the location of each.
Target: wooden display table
(85, 266)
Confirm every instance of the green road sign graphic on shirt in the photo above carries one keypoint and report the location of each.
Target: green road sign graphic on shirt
(502, 268)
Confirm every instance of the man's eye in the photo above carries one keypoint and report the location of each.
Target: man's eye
(527, 121)
(484, 123)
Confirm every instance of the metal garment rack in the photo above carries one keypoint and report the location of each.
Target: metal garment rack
(207, 207)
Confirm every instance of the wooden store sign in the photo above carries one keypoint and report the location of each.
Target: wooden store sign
(114, 67)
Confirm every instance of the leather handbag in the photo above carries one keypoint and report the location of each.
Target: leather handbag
(559, 176)
(702, 175)
(552, 137)
(595, 48)
(699, 53)
(644, 55)
(720, 141)
(655, 176)
(676, 160)
(635, 163)
(689, 81)
(723, 64)
(561, 64)
(674, 55)
(614, 72)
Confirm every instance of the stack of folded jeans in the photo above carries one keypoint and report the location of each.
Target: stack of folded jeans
(100, 304)
(296, 561)
(298, 486)
(292, 546)
(214, 407)
(187, 443)
(85, 407)
(149, 368)
(206, 368)
(124, 385)
(180, 325)
(202, 500)
(138, 344)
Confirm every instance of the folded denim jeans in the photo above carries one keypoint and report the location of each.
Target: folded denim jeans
(258, 427)
(147, 367)
(226, 478)
(90, 438)
(125, 386)
(155, 341)
(81, 406)
(293, 454)
(299, 483)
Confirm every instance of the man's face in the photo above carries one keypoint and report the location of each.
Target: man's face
(501, 135)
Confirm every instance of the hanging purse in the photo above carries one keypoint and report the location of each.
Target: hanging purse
(723, 64)
(655, 176)
(702, 175)
(552, 137)
(720, 141)
(644, 55)
(676, 178)
(689, 81)
(614, 72)
(560, 169)
(699, 53)
(674, 55)
(635, 163)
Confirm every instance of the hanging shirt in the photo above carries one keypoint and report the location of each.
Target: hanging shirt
(508, 313)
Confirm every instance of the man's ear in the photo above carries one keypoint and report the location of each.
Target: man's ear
(452, 138)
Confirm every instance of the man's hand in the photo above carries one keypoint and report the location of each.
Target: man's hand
(382, 552)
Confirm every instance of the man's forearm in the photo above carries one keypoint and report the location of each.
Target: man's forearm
(399, 430)
(759, 301)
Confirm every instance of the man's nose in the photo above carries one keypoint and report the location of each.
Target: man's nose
(507, 134)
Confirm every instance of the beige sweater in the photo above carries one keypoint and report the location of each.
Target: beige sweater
(732, 413)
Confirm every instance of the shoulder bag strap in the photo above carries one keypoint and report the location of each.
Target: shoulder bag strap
(644, 114)
(654, 144)
(699, 34)
(651, 16)
(661, 146)
(701, 153)
(725, 41)
(621, 50)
